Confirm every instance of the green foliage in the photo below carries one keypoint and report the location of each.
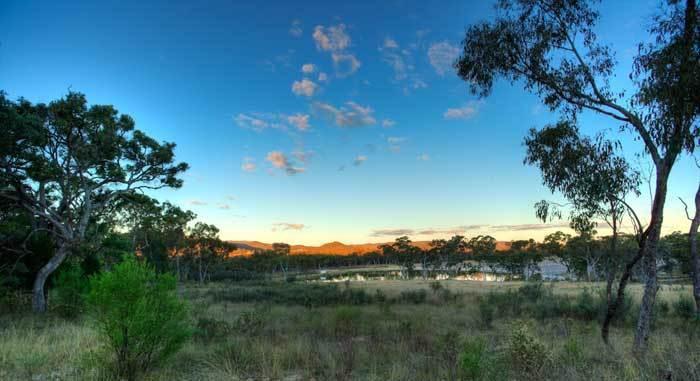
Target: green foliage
(413, 296)
(528, 354)
(487, 312)
(70, 288)
(684, 307)
(139, 316)
(474, 360)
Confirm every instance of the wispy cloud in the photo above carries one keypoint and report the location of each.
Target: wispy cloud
(395, 143)
(283, 226)
(223, 206)
(391, 232)
(300, 121)
(335, 39)
(386, 123)
(198, 203)
(295, 30)
(467, 111)
(280, 161)
(359, 160)
(350, 115)
(257, 122)
(248, 164)
(308, 68)
(442, 55)
(322, 77)
(522, 227)
(423, 157)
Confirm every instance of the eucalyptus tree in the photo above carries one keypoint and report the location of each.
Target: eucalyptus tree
(67, 164)
(551, 47)
(693, 247)
(595, 181)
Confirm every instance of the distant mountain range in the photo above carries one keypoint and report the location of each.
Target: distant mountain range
(332, 248)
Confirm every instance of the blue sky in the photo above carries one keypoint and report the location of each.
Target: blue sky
(313, 121)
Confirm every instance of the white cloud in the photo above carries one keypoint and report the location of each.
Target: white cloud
(442, 55)
(308, 68)
(280, 161)
(350, 115)
(332, 38)
(345, 64)
(390, 43)
(388, 123)
(304, 87)
(359, 160)
(248, 164)
(300, 121)
(295, 30)
(423, 157)
(465, 112)
(322, 77)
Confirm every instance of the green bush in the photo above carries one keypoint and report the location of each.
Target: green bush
(487, 312)
(474, 359)
(70, 288)
(413, 296)
(139, 316)
(527, 353)
(532, 291)
(684, 307)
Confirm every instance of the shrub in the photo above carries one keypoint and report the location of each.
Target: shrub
(436, 286)
(684, 307)
(527, 353)
(532, 291)
(210, 329)
(474, 359)
(413, 296)
(70, 288)
(487, 312)
(139, 316)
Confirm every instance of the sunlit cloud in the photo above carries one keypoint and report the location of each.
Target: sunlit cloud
(391, 232)
(248, 164)
(283, 226)
(345, 64)
(280, 161)
(303, 156)
(442, 56)
(332, 38)
(300, 121)
(308, 68)
(304, 87)
(350, 115)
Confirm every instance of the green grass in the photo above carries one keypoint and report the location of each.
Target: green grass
(389, 338)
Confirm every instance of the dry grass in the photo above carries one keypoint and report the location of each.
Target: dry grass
(369, 342)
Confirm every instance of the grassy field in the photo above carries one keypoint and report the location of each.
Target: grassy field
(409, 330)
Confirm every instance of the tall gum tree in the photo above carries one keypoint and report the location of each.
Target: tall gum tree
(67, 164)
(551, 47)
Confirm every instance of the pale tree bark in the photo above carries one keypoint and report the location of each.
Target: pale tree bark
(693, 243)
(39, 303)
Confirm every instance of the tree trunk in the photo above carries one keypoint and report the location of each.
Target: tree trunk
(39, 294)
(646, 310)
(693, 241)
(610, 278)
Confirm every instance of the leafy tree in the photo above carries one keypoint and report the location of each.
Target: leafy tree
(139, 316)
(405, 253)
(67, 164)
(550, 46)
